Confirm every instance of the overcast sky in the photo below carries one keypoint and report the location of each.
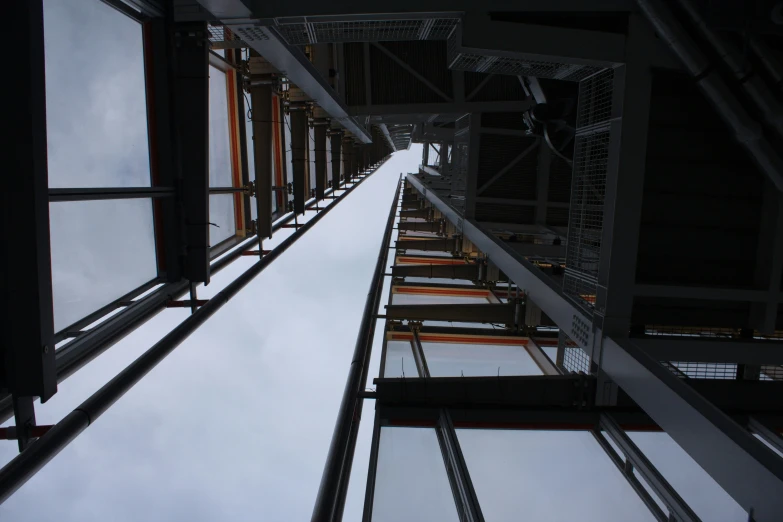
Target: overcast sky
(236, 423)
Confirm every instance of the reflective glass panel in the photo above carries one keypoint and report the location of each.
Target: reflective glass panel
(221, 216)
(438, 280)
(478, 360)
(411, 482)
(96, 109)
(219, 143)
(705, 496)
(101, 250)
(556, 476)
(399, 360)
(251, 166)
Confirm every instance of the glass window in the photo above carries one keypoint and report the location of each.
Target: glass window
(221, 216)
(101, 250)
(399, 360)
(411, 482)
(478, 360)
(705, 496)
(416, 299)
(221, 206)
(96, 109)
(547, 475)
(251, 166)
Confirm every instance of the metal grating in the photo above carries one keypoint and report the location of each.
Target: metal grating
(595, 99)
(367, 30)
(585, 227)
(575, 359)
(702, 370)
(771, 372)
(221, 37)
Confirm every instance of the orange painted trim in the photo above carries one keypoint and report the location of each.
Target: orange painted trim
(456, 292)
(277, 143)
(233, 137)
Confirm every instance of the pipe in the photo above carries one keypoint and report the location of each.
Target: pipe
(753, 85)
(76, 354)
(337, 469)
(19, 470)
(747, 131)
(768, 60)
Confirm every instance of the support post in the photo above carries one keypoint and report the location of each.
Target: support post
(465, 496)
(26, 307)
(319, 135)
(299, 146)
(337, 469)
(261, 101)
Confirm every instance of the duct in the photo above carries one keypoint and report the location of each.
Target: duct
(747, 131)
(752, 84)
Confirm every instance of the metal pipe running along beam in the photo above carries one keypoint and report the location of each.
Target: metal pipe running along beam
(337, 467)
(21, 468)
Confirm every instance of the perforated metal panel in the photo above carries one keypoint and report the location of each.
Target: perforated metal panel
(221, 37)
(337, 31)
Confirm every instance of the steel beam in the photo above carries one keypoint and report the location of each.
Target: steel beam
(319, 135)
(542, 183)
(766, 431)
(385, 131)
(336, 140)
(455, 109)
(413, 72)
(26, 306)
(502, 172)
(427, 245)
(663, 490)
(746, 469)
(286, 58)
(417, 226)
(543, 43)
(337, 469)
(739, 351)
(300, 143)
(471, 313)
(542, 289)
(769, 261)
(261, 103)
(462, 488)
(91, 194)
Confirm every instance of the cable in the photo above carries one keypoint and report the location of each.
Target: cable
(554, 149)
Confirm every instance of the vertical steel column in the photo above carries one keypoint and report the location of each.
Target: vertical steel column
(635, 459)
(261, 102)
(337, 469)
(337, 141)
(299, 145)
(347, 153)
(192, 128)
(319, 132)
(465, 497)
(26, 309)
(19, 470)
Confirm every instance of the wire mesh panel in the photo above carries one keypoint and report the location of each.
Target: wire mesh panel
(588, 188)
(336, 31)
(221, 37)
(702, 370)
(595, 99)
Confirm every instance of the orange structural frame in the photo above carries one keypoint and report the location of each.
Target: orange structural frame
(454, 292)
(277, 146)
(459, 338)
